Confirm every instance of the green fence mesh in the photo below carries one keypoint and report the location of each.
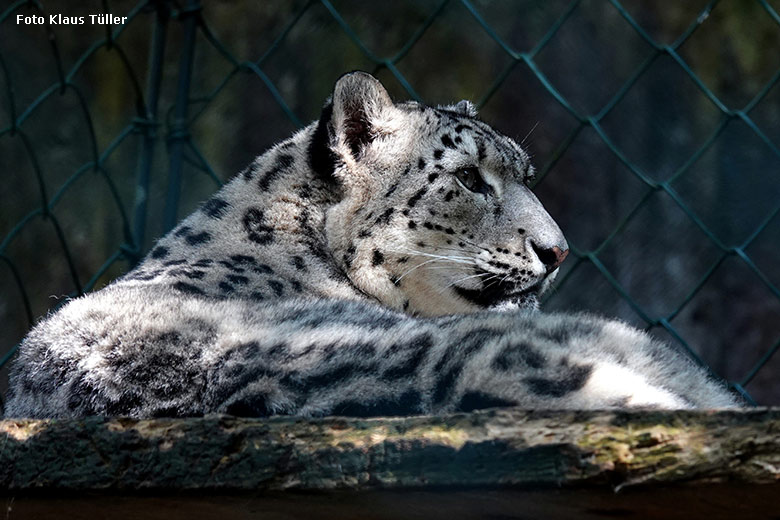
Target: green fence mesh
(154, 145)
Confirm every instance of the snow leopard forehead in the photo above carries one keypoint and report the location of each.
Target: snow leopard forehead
(491, 145)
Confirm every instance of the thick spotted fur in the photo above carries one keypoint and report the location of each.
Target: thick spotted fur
(386, 259)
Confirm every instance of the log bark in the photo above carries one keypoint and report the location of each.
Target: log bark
(509, 451)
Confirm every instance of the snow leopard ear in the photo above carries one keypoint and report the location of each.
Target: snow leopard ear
(358, 102)
(464, 107)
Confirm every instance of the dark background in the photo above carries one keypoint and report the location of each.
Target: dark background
(655, 128)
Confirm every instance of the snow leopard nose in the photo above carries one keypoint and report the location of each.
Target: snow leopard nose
(552, 257)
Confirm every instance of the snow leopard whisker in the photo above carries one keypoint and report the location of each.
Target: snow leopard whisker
(457, 250)
(458, 259)
(457, 267)
(490, 279)
(473, 244)
(493, 282)
(529, 133)
(416, 267)
(478, 275)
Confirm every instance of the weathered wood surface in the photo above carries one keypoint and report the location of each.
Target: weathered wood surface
(504, 463)
(491, 448)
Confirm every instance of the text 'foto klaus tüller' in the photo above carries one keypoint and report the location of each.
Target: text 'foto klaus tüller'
(60, 19)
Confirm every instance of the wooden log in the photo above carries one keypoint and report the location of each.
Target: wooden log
(500, 453)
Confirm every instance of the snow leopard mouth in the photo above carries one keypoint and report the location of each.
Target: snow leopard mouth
(499, 293)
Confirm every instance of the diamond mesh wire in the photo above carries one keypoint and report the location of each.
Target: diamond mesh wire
(182, 30)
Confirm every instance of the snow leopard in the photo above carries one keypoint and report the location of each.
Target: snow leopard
(387, 259)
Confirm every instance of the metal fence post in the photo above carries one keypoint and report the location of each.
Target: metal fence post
(178, 129)
(149, 124)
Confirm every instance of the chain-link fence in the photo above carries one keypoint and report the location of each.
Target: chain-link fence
(655, 129)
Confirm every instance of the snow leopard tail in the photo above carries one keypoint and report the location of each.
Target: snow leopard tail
(193, 356)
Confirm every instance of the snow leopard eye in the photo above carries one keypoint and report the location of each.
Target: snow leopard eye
(473, 181)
